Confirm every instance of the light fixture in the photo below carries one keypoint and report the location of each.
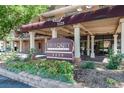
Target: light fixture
(89, 6)
(79, 9)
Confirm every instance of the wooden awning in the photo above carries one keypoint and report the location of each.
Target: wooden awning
(109, 12)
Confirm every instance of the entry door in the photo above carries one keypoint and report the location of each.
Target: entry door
(83, 50)
(39, 46)
(101, 47)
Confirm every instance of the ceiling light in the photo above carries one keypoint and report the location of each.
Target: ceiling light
(89, 6)
(79, 9)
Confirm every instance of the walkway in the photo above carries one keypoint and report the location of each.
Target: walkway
(9, 83)
(96, 59)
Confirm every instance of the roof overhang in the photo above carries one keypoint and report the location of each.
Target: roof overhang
(61, 10)
(109, 12)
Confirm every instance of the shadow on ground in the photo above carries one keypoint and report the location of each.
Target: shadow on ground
(9, 83)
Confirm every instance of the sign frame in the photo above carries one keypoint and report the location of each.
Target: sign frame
(60, 49)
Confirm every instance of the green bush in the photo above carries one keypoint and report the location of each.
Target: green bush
(111, 81)
(88, 65)
(13, 57)
(59, 70)
(3, 56)
(114, 60)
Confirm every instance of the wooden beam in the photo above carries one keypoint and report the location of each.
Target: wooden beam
(63, 33)
(118, 28)
(83, 31)
(43, 32)
(70, 27)
(101, 22)
(84, 28)
(97, 31)
(121, 20)
(66, 30)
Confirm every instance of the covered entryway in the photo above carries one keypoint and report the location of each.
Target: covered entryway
(93, 32)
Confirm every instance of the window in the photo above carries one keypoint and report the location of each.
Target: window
(39, 45)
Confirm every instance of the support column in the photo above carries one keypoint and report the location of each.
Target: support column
(77, 42)
(32, 40)
(92, 47)
(88, 45)
(122, 38)
(21, 44)
(45, 44)
(12, 45)
(5, 45)
(54, 33)
(115, 43)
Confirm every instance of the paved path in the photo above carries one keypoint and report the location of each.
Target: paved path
(9, 83)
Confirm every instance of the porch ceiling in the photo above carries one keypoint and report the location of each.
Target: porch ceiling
(96, 27)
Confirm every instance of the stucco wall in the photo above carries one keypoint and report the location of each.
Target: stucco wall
(26, 45)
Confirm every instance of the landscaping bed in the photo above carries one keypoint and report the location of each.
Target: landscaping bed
(97, 75)
(88, 73)
(58, 70)
(95, 78)
(53, 69)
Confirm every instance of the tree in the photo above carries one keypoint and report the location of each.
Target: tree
(11, 17)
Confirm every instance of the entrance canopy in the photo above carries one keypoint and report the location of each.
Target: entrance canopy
(102, 21)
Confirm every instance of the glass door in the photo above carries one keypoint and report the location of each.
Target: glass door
(101, 47)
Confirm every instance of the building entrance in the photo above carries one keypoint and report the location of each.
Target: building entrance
(102, 47)
(102, 44)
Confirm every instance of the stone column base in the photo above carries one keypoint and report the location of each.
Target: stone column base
(77, 61)
(88, 53)
(92, 55)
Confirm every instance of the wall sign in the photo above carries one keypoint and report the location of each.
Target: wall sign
(60, 48)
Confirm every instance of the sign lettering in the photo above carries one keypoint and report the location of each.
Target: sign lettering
(60, 48)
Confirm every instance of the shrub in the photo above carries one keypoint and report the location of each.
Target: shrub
(88, 65)
(114, 60)
(13, 57)
(111, 81)
(2, 56)
(32, 53)
(59, 70)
